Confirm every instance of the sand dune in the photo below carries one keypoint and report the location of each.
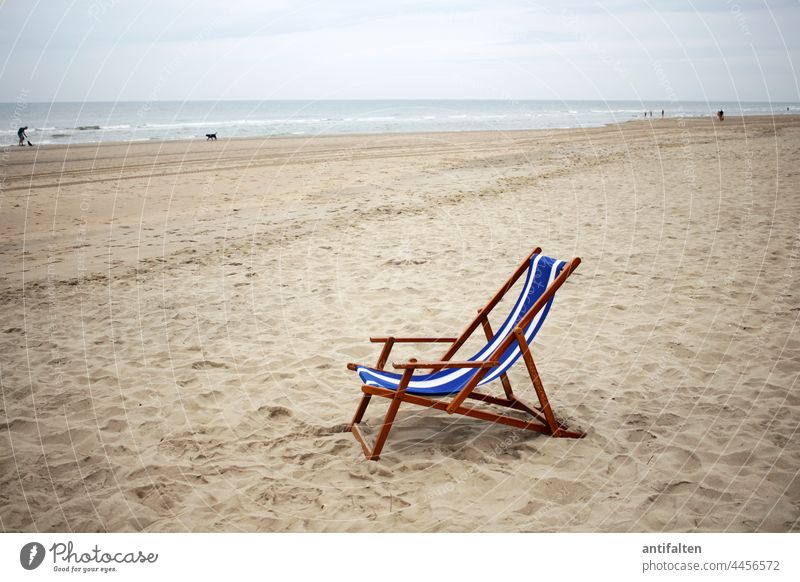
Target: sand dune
(176, 319)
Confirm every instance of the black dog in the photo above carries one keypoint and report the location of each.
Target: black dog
(211, 136)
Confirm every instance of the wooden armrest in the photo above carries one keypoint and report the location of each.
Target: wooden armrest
(413, 365)
(381, 340)
(354, 367)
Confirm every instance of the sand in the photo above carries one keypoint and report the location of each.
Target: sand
(176, 320)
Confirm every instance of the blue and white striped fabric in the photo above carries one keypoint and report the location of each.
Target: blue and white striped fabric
(541, 273)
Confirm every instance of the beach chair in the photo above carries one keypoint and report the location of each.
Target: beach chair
(458, 380)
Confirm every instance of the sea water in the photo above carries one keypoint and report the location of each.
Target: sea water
(91, 122)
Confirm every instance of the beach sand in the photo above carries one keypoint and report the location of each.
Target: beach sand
(176, 320)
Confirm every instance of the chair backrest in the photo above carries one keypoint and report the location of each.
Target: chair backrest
(542, 271)
(541, 274)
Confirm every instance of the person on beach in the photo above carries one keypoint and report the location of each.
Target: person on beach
(662, 113)
(721, 115)
(23, 137)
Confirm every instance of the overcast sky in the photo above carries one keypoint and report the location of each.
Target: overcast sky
(432, 49)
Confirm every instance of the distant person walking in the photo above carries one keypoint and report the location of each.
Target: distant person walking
(721, 115)
(23, 137)
(662, 113)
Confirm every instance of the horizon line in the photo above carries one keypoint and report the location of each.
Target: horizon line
(409, 99)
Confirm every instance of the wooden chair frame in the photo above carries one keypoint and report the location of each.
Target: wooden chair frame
(545, 422)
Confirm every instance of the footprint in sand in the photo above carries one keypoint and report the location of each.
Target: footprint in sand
(207, 364)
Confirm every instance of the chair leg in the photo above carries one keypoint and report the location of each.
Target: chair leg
(362, 408)
(507, 386)
(373, 454)
(383, 434)
(550, 418)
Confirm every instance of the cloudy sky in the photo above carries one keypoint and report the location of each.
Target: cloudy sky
(437, 49)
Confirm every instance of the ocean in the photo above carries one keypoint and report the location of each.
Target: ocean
(92, 122)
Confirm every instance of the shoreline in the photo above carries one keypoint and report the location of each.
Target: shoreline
(132, 143)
